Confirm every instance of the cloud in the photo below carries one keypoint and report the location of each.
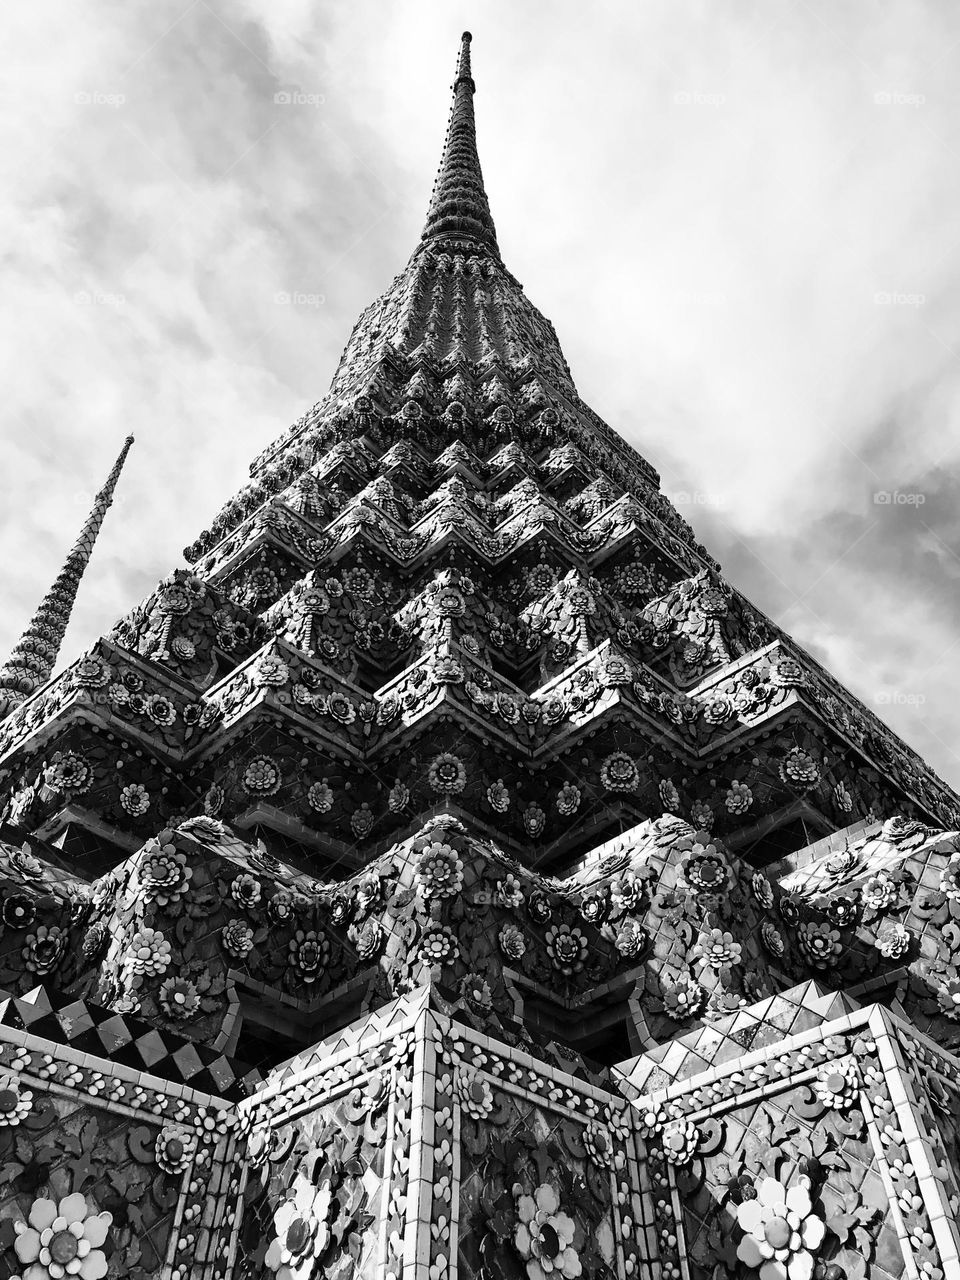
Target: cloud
(739, 218)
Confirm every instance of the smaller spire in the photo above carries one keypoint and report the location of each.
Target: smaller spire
(459, 208)
(30, 664)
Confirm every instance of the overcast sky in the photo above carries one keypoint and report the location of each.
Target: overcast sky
(741, 217)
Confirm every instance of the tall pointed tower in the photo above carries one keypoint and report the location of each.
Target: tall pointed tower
(32, 659)
(451, 874)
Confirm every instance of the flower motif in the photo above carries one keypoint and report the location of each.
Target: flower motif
(799, 769)
(615, 671)
(538, 907)
(62, 1239)
(950, 879)
(762, 890)
(669, 795)
(476, 991)
(685, 1000)
(782, 1231)
(179, 998)
(175, 1148)
(164, 875)
(280, 907)
(341, 708)
(628, 892)
(893, 942)
(91, 673)
(568, 799)
(367, 938)
(786, 672)
(512, 942)
(43, 950)
(619, 772)
(739, 798)
(95, 940)
(594, 907)
(246, 891)
(437, 944)
(19, 911)
(213, 799)
(498, 797)
(237, 938)
(270, 671)
(118, 694)
(838, 1083)
(544, 1236)
(262, 776)
(15, 1101)
(819, 942)
(842, 911)
(68, 772)
(475, 1094)
(398, 797)
(879, 892)
(596, 1140)
(320, 796)
(651, 1117)
(362, 820)
(718, 950)
(680, 1139)
(359, 582)
(148, 953)
(439, 871)
(843, 798)
(790, 909)
(948, 998)
(534, 819)
(701, 815)
(161, 710)
(509, 892)
(631, 938)
(368, 892)
(705, 870)
(309, 952)
(340, 908)
(134, 799)
(717, 711)
(772, 939)
(567, 948)
(302, 1230)
(447, 774)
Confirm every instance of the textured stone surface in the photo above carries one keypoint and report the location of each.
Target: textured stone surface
(449, 873)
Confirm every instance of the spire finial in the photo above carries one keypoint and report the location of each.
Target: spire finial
(459, 208)
(31, 661)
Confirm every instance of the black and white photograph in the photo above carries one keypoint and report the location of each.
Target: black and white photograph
(480, 644)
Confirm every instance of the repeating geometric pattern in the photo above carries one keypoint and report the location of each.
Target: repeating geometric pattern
(449, 873)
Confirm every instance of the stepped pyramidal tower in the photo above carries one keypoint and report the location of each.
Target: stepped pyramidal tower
(450, 874)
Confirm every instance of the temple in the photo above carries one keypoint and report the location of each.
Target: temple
(448, 873)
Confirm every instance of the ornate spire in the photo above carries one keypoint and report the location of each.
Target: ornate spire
(30, 664)
(458, 207)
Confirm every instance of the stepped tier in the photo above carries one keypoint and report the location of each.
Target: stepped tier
(449, 873)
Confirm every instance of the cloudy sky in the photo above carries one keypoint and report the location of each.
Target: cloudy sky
(740, 217)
